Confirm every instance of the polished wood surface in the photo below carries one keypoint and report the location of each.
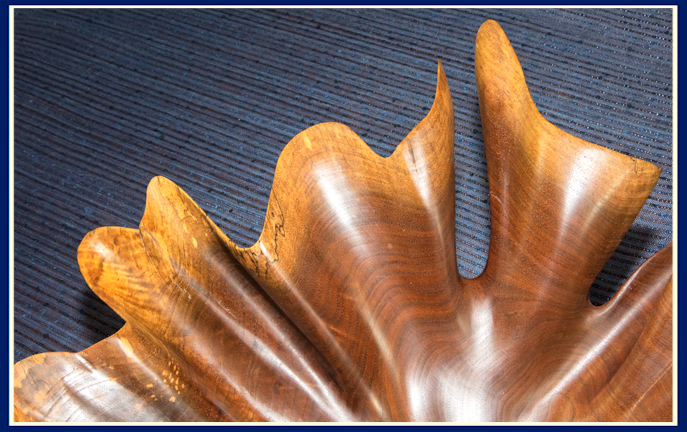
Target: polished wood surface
(350, 306)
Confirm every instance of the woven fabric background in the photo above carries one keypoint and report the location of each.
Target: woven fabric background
(106, 99)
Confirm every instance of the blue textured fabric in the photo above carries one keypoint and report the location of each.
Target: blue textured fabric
(107, 99)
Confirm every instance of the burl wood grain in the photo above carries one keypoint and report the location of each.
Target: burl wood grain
(350, 306)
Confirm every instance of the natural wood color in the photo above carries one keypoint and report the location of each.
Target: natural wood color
(350, 306)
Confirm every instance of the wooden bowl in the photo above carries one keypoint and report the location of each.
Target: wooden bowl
(350, 306)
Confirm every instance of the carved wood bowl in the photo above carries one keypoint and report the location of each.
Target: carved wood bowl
(350, 306)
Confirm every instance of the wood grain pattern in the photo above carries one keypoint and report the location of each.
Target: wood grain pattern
(350, 306)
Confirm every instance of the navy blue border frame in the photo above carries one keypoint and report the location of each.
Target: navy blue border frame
(680, 121)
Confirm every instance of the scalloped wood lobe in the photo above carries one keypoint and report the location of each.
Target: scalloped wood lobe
(350, 305)
(195, 307)
(361, 224)
(121, 378)
(559, 205)
(641, 390)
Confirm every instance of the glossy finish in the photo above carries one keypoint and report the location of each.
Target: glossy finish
(350, 306)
